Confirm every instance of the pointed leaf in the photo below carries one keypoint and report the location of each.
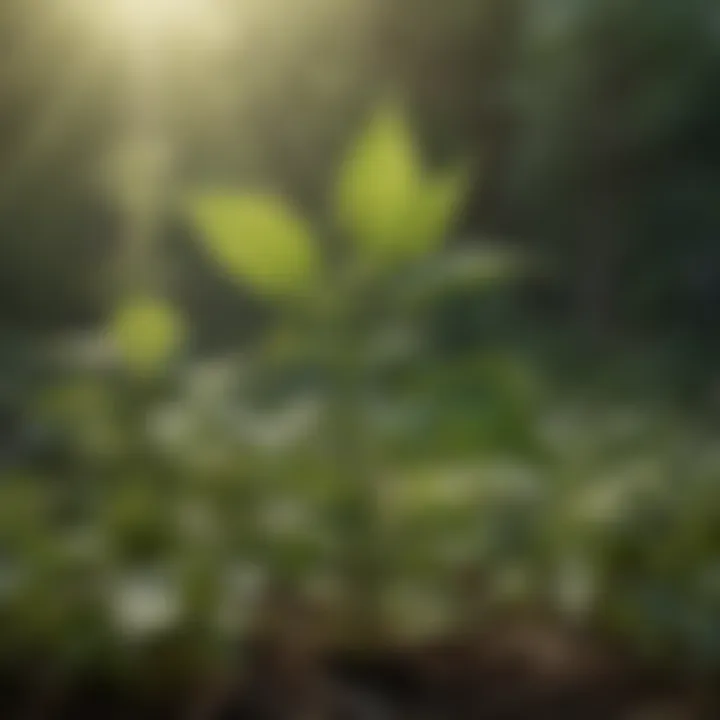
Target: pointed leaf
(379, 186)
(440, 200)
(147, 333)
(260, 240)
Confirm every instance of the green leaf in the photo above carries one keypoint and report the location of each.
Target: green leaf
(147, 333)
(379, 187)
(260, 240)
(437, 208)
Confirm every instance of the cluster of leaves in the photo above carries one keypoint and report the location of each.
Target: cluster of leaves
(188, 487)
(180, 483)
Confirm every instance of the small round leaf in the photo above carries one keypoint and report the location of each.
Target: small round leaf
(147, 334)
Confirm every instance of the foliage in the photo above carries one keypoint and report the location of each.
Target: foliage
(181, 486)
(259, 239)
(386, 203)
(594, 122)
(147, 333)
(189, 491)
(345, 450)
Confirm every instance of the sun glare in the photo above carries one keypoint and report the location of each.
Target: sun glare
(152, 26)
(157, 17)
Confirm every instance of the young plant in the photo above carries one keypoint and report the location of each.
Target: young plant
(390, 216)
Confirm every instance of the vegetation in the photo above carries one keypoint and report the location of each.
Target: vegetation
(383, 401)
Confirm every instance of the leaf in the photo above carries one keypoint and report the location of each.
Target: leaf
(147, 334)
(437, 208)
(260, 240)
(379, 186)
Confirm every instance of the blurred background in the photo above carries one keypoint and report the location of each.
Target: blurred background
(592, 125)
(553, 432)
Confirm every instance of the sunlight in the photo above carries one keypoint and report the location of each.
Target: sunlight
(159, 56)
(158, 18)
(154, 28)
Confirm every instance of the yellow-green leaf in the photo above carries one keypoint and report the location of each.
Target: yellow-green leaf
(260, 240)
(147, 334)
(438, 206)
(379, 186)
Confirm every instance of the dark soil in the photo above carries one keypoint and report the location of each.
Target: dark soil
(523, 673)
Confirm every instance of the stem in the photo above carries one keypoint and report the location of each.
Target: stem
(358, 510)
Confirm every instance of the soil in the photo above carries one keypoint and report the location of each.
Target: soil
(519, 673)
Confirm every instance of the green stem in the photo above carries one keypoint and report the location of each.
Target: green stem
(352, 462)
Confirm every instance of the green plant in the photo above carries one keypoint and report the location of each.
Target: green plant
(341, 451)
(341, 295)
